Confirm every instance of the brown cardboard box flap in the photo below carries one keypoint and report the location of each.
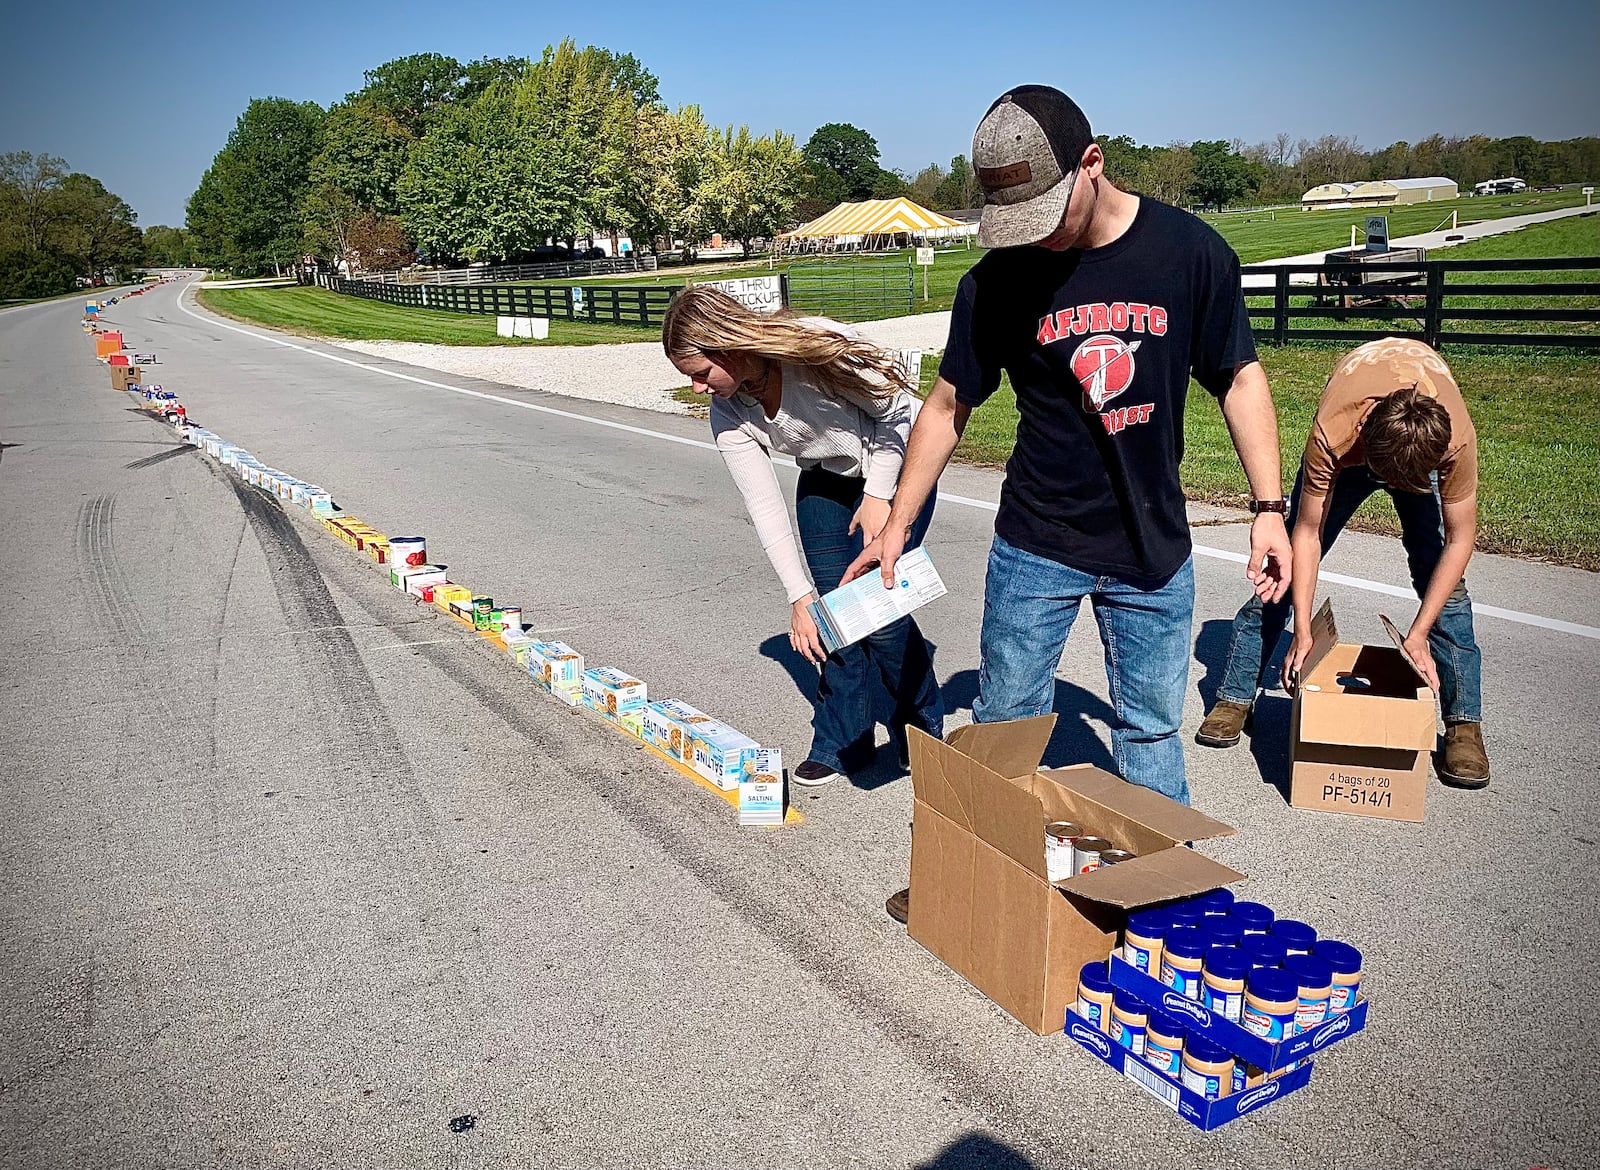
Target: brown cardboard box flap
(1001, 811)
(1172, 873)
(1177, 822)
(1400, 645)
(1381, 721)
(1324, 637)
(1011, 749)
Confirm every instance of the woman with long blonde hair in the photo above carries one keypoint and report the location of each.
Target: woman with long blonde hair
(842, 408)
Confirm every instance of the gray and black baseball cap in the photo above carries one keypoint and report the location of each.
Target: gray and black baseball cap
(1026, 153)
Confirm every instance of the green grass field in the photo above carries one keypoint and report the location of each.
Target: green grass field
(316, 312)
(1538, 421)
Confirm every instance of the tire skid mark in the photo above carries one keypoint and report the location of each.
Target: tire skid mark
(819, 953)
(382, 800)
(159, 457)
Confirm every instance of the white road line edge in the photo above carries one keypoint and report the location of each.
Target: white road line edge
(1510, 615)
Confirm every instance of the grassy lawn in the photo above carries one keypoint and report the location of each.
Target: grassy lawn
(1538, 421)
(316, 312)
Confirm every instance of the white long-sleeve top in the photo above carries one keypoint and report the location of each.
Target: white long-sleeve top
(817, 426)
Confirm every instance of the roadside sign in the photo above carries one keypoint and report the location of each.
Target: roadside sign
(1588, 196)
(1377, 233)
(764, 294)
(924, 255)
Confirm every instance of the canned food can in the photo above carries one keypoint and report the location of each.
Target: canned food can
(1112, 856)
(1086, 853)
(482, 612)
(1058, 839)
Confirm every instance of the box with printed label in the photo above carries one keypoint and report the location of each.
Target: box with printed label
(1362, 731)
(720, 752)
(761, 788)
(1199, 1111)
(517, 646)
(667, 724)
(411, 578)
(1216, 1027)
(555, 666)
(613, 693)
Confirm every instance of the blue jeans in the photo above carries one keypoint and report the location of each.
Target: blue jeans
(1257, 627)
(897, 657)
(1029, 604)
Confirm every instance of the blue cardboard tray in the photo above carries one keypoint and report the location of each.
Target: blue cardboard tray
(1264, 1054)
(1187, 1104)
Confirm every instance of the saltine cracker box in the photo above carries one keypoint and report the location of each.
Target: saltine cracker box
(1363, 729)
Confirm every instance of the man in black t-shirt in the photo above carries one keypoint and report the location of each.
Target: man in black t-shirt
(1099, 305)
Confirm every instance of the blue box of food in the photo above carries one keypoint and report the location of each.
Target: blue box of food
(1264, 1054)
(1198, 1111)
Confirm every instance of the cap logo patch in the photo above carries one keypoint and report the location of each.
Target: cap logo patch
(1007, 176)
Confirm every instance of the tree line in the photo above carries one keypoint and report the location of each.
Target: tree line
(57, 225)
(513, 159)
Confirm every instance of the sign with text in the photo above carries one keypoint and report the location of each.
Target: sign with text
(1377, 233)
(924, 255)
(763, 294)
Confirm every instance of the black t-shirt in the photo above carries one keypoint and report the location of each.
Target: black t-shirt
(1100, 345)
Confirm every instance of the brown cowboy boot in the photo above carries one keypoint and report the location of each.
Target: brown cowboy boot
(1464, 763)
(1224, 724)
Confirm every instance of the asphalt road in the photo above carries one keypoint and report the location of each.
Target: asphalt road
(297, 872)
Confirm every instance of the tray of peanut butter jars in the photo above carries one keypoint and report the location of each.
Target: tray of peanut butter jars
(1215, 1006)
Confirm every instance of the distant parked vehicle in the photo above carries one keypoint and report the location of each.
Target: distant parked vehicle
(1500, 187)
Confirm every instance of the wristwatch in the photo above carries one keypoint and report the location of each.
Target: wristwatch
(1259, 506)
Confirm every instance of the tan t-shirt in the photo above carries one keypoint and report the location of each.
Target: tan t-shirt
(1363, 376)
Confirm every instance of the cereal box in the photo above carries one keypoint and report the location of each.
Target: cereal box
(761, 788)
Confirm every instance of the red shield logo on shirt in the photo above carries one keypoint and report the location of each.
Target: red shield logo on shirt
(1104, 366)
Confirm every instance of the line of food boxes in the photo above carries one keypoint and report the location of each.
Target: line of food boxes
(721, 754)
(987, 831)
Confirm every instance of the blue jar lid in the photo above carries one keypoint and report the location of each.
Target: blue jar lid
(1216, 902)
(1343, 957)
(1200, 1048)
(1167, 1025)
(1297, 935)
(1227, 962)
(1309, 970)
(1149, 923)
(1185, 913)
(1189, 941)
(1273, 984)
(1252, 915)
(1221, 930)
(1263, 949)
(1095, 976)
(1129, 1002)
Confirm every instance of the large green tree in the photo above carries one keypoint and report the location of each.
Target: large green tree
(98, 228)
(849, 153)
(166, 247)
(246, 213)
(29, 203)
(1221, 175)
(413, 90)
(752, 185)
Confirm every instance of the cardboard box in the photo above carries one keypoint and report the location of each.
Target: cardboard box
(981, 899)
(1363, 728)
(615, 693)
(555, 666)
(761, 788)
(1189, 1105)
(720, 752)
(667, 727)
(124, 377)
(447, 593)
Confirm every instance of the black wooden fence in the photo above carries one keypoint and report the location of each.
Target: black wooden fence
(643, 306)
(1426, 299)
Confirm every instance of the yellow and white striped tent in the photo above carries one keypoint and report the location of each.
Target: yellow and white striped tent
(875, 223)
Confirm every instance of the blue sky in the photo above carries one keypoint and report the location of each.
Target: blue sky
(916, 76)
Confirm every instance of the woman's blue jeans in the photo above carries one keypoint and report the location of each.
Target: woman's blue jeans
(897, 658)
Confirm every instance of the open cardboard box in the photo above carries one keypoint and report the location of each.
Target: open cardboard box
(1363, 728)
(981, 899)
